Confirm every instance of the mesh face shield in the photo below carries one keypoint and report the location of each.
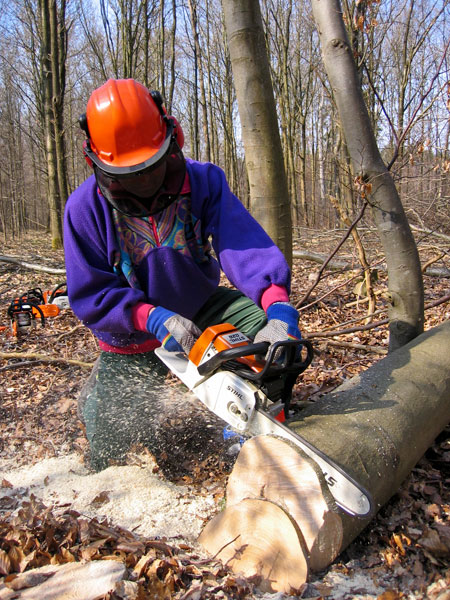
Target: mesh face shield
(146, 192)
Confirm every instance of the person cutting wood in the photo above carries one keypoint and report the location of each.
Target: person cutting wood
(146, 237)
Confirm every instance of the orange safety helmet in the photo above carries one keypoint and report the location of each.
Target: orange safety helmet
(128, 128)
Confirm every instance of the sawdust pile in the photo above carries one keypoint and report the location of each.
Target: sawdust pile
(133, 497)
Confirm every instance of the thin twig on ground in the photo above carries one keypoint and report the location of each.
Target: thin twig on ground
(43, 358)
(354, 346)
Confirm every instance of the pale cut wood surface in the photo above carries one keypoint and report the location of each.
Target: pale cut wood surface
(273, 469)
(258, 539)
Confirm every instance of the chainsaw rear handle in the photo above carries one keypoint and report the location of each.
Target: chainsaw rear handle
(60, 290)
(289, 364)
(40, 313)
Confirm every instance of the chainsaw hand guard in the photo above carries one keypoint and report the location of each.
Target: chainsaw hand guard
(289, 363)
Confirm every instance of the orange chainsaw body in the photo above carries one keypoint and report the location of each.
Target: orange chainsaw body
(48, 310)
(222, 337)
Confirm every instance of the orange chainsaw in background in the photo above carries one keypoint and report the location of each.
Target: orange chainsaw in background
(36, 305)
(249, 386)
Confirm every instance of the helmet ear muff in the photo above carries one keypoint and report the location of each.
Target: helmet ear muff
(178, 134)
(82, 121)
(85, 154)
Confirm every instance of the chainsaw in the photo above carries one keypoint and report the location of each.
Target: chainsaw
(36, 305)
(252, 394)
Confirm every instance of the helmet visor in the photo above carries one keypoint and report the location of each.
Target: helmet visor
(147, 192)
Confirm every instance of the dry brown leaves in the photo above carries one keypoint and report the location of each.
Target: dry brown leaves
(36, 536)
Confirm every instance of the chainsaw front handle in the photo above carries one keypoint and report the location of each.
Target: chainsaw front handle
(288, 364)
(218, 359)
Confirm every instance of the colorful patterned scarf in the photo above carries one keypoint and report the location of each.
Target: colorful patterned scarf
(175, 227)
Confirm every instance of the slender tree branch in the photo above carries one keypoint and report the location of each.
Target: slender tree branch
(356, 320)
(19, 365)
(370, 325)
(432, 261)
(320, 334)
(353, 346)
(341, 285)
(411, 121)
(330, 256)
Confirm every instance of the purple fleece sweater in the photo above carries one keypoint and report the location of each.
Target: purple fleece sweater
(169, 273)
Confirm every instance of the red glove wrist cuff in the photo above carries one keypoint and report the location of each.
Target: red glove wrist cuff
(139, 315)
(274, 293)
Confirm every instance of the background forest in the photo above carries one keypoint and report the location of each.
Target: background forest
(53, 53)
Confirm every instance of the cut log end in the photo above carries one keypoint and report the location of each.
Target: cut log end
(273, 469)
(259, 539)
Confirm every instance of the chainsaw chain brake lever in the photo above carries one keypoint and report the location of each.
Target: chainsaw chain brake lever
(288, 364)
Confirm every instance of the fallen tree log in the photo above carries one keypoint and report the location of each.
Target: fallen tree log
(32, 266)
(337, 264)
(376, 427)
(380, 423)
(431, 232)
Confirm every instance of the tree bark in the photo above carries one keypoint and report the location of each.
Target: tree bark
(405, 279)
(376, 427)
(54, 199)
(58, 46)
(269, 198)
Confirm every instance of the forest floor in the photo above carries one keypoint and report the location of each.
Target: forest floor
(148, 511)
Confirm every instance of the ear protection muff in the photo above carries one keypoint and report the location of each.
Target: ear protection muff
(179, 135)
(86, 157)
(82, 121)
(178, 132)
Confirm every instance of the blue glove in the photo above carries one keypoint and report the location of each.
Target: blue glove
(176, 333)
(282, 324)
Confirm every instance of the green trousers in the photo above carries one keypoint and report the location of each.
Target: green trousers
(126, 394)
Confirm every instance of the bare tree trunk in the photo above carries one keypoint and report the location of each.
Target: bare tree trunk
(405, 278)
(263, 153)
(54, 200)
(173, 31)
(201, 80)
(58, 45)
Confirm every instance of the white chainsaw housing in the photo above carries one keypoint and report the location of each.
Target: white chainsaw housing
(227, 395)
